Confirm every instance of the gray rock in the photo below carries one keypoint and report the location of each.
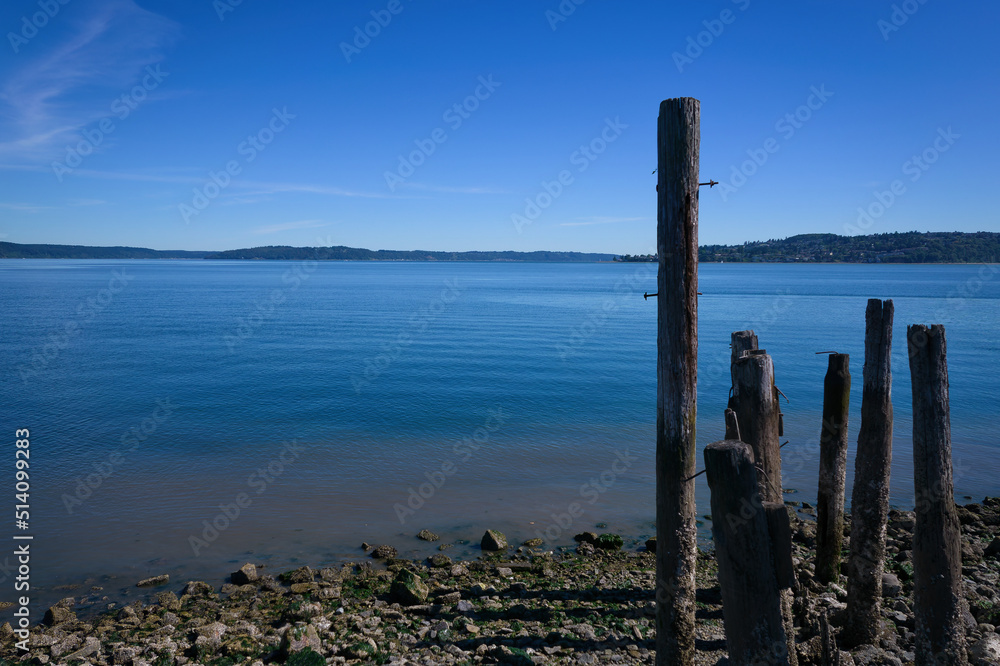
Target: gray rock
(363, 649)
(869, 655)
(589, 537)
(533, 543)
(493, 541)
(91, 645)
(585, 549)
(246, 575)
(297, 639)
(891, 587)
(993, 550)
(58, 615)
(427, 535)
(384, 552)
(985, 651)
(407, 589)
(300, 575)
(464, 607)
(153, 581)
(197, 588)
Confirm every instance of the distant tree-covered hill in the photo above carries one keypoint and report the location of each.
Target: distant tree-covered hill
(19, 251)
(343, 253)
(909, 247)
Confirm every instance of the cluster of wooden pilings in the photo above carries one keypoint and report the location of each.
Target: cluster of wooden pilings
(750, 524)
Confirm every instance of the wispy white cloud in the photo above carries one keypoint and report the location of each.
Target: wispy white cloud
(589, 221)
(447, 189)
(259, 188)
(244, 191)
(23, 207)
(290, 226)
(47, 100)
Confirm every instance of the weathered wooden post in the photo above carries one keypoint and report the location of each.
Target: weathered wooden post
(741, 343)
(751, 603)
(870, 495)
(832, 468)
(756, 405)
(755, 401)
(937, 548)
(678, 147)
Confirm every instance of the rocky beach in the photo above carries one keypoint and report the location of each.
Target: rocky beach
(515, 604)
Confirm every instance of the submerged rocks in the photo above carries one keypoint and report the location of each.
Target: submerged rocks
(610, 542)
(384, 552)
(439, 560)
(154, 581)
(493, 541)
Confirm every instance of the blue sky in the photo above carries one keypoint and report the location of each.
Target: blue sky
(516, 125)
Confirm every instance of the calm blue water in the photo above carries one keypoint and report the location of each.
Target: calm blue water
(511, 391)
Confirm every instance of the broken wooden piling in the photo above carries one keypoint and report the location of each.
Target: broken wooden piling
(832, 468)
(751, 602)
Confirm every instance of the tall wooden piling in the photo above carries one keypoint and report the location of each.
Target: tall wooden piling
(937, 549)
(751, 603)
(678, 149)
(832, 468)
(870, 495)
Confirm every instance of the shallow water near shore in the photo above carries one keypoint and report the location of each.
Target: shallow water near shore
(161, 402)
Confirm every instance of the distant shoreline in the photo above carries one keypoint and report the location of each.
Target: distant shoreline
(895, 248)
